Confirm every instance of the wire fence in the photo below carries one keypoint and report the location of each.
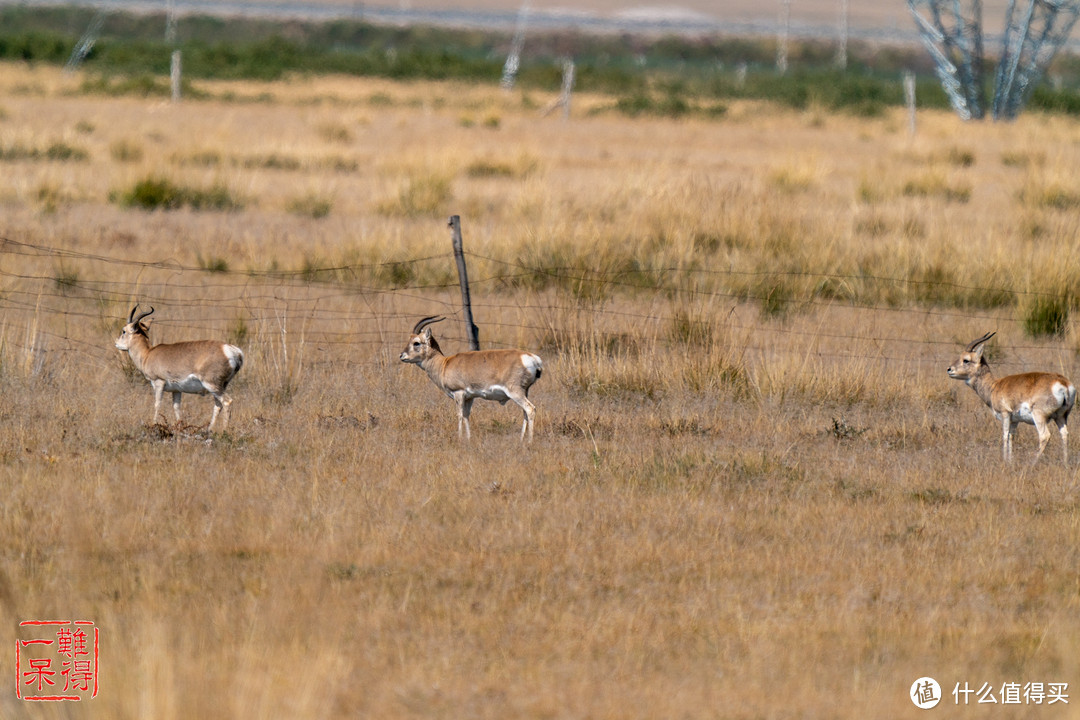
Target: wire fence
(60, 300)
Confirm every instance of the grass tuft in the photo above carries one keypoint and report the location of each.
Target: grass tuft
(310, 205)
(935, 185)
(155, 193)
(59, 151)
(1047, 316)
(421, 195)
(126, 151)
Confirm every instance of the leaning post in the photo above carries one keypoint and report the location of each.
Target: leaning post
(463, 276)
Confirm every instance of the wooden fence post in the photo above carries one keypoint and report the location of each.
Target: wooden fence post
(909, 99)
(174, 75)
(463, 276)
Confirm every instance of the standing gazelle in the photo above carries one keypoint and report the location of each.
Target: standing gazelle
(198, 366)
(1035, 398)
(498, 375)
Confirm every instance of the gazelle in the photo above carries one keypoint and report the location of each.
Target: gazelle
(1036, 398)
(199, 366)
(498, 375)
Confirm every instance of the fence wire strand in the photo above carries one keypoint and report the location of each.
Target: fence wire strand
(271, 298)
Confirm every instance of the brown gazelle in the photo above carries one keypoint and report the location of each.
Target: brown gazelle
(498, 375)
(1037, 398)
(199, 366)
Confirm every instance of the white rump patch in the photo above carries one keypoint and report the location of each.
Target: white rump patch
(234, 355)
(532, 363)
(1066, 394)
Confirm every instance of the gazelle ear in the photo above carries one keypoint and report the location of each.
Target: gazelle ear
(427, 333)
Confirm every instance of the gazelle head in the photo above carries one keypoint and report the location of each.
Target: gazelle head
(968, 364)
(422, 345)
(134, 327)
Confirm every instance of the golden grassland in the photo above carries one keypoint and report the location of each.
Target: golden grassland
(753, 491)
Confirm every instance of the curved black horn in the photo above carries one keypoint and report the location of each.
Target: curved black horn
(133, 319)
(980, 341)
(427, 321)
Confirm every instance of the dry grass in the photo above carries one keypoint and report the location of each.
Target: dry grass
(756, 496)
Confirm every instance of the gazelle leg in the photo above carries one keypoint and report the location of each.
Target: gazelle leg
(213, 416)
(464, 408)
(226, 401)
(1063, 430)
(529, 409)
(176, 397)
(1006, 438)
(221, 402)
(159, 390)
(1043, 428)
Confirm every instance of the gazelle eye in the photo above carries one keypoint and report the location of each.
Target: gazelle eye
(416, 343)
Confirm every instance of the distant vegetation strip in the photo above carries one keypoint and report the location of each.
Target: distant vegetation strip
(668, 76)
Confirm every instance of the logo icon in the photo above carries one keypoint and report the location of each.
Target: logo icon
(925, 693)
(60, 663)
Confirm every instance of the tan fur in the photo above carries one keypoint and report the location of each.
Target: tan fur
(199, 367)
(1036, 398)
(498, 375)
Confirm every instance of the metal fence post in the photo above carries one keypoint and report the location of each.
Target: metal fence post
(463, 276)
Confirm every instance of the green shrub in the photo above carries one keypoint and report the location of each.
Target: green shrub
(777, 297)
(59, 150)
(960, 157)
(273, 161)
(395, 274)
(154, 193)
(935, 186)
(642, 103)
(63, 151)
(213, 264)
(216, 197)
(50, 196)
(1047, 315)
(126, 151)
(310, 206)
(66, 279)
(334, 133)
(1052, 196)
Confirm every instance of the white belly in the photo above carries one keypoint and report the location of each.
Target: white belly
(1023, 414)
(190, 384)
(495, 392)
